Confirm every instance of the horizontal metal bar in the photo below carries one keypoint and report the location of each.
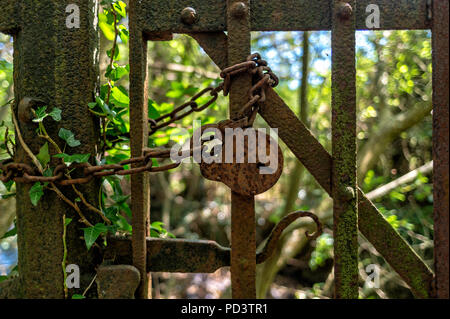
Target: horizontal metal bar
(181, 255)
(174, 255)
(396, 251)
(9, 18)
(279, 15)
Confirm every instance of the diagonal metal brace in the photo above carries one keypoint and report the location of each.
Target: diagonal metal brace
(396, 251)
(9, 16)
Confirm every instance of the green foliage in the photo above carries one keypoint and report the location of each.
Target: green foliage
(322, 252)
(69, 137)
(44, 155)
(92, 233)
(74, 158)
(157, 230)
(41, 114)
(10, 233)
(36, 192)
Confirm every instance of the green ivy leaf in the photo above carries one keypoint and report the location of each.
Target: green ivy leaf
(36, 192)
(106, 27)
(55, 114)
(124, 34)
(117, 72)
(116, 53)
(120, 95)
(44, 156)
(120, 8)
(40, 114)
(75, 158)
(12, 232)
(77, 296)
(9, 185)
(69, 137)
(152, 111)
(92, 233)
(105, 108)
(67, 221)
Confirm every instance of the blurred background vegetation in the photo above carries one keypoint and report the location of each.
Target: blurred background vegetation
(394, 139)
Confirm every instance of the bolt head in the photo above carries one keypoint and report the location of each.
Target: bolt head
(348, 193)
(189, 16)
(239, 10)
(345, 10)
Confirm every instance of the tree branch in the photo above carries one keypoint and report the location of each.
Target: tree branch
(405, 179)
(184, 69)
(388, 131)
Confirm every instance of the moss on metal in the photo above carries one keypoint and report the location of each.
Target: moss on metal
(58, 66)
(277, 15)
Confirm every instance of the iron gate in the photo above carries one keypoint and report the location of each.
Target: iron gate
(206, 22)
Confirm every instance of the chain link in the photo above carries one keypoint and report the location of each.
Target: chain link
(263, 77)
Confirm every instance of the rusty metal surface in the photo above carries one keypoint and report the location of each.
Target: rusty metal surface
(117, 282)
(195, 256)
(243, 175)
(275, 235)
(243, 233)
(174, 255)
(343, 128)
(318, 162)
(47, 70)
(9, 16)
(440, 42)
(140, 185)
(278, 15)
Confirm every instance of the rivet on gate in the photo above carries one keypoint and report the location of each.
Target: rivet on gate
(239, 10)
(345, 10)
(189, 16)
(348, 193)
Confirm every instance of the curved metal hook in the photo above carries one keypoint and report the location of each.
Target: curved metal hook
(275, 235)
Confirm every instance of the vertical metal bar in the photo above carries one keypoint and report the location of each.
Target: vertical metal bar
(344, 150)
(140, 186)
(440, 145)
(243, 234)
(63, 76)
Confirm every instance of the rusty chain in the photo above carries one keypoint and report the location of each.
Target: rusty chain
(263, 77)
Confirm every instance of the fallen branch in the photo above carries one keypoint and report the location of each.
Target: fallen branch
(184, 69)
(405, 179)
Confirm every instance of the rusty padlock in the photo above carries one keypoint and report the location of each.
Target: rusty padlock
(248, 160)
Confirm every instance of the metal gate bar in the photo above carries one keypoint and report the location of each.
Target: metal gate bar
(280, 15)
(441, 145)
(159, 17)
(140, 185)
(343, 179)
(243, 232)
(388, 242)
